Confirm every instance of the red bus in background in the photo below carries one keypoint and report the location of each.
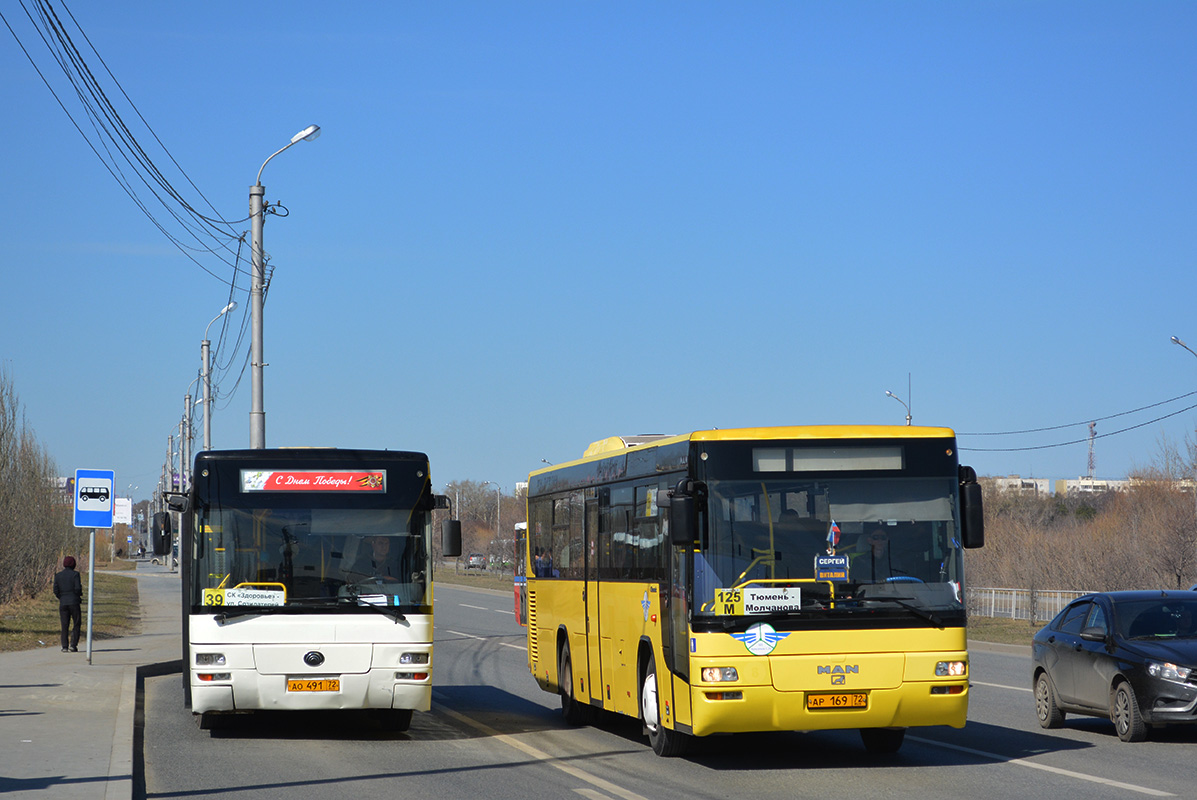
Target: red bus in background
(520, 568)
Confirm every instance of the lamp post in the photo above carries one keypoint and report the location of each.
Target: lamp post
(206, 362)
(1176, 340)
(257, 415)
(497, 507)
(905, 403)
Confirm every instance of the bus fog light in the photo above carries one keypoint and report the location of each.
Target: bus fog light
(725, 695)
(413, 658)
(947, 689)
(208, 677)
(411, 676)
(209, 659)
(951, 669)
(719, 674)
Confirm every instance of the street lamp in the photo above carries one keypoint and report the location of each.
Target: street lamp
(497, 507)
(1176, 340)
(900, 400)
(904, 403)
(206, 362)
(257, 416)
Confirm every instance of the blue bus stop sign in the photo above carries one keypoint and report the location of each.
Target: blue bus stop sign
(93, 498)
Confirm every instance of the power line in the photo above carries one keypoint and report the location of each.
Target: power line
(119, 144)
(1090, 419)
(1078, 441)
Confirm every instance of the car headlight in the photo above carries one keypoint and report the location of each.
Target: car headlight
(1168, 672)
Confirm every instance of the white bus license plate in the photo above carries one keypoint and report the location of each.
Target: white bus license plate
(818, 702)
(313, 685)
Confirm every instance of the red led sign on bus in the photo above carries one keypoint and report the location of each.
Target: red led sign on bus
(313, 481)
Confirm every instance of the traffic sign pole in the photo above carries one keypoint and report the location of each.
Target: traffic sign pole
(91, 586)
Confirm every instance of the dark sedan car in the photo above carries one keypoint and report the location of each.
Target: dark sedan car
(1130, 657)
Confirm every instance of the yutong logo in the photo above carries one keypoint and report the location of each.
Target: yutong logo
(839, 673)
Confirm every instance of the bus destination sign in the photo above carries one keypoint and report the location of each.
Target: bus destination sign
(313, 481)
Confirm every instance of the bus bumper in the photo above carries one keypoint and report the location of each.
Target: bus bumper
(248, 691)
(764, 708)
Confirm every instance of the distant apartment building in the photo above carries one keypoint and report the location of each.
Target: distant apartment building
(1047, 486)
(1090, 486)
(1020, 485)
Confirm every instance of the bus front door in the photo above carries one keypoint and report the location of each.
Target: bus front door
(594, 669)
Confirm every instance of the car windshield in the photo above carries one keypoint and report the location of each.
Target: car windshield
(896, 537)
(1157, 618)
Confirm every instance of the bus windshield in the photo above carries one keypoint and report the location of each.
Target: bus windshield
(311, 557)
(896, 537)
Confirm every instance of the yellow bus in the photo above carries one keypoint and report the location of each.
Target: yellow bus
(755, 579)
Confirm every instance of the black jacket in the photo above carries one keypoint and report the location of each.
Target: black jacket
(68, 588)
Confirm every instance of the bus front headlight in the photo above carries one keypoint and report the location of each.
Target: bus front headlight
(951, 669)
(719, 674)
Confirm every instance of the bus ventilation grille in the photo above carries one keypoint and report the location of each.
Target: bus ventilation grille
(533, 640)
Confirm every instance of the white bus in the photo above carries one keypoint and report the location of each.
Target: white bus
(307, 582)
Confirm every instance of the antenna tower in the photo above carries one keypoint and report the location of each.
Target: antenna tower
(1092, 437)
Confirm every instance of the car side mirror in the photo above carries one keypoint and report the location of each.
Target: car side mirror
(1093, 634)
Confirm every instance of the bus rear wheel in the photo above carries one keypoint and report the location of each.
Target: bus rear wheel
(394, 720)
(882, 740)
(665, 742)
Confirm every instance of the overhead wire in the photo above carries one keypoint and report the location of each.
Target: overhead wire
(110, 128)
(114, 144)
(1077, 424)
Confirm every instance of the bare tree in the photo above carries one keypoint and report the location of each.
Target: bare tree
(35, 521)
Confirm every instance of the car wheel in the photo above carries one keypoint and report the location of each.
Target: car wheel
(882, 740)
(665, 742)
(1050, 715)
(1124, 711)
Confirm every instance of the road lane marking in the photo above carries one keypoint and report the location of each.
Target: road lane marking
(484, 608)
(540, 755)
(1001, 686)
(487, 639)
(1067, 773)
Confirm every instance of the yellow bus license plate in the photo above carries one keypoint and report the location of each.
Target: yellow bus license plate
(320, 685)
(819, 702)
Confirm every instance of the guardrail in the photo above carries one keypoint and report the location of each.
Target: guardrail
(1038, 605)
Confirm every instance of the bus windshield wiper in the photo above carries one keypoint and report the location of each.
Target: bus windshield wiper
(351, 596)
(918, 611)
(244, 611)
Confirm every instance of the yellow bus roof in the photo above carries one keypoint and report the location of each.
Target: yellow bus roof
(623, 444)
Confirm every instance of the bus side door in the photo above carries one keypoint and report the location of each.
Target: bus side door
(592, 537)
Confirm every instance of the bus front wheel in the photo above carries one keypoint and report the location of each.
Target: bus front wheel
(575, 713)
(665, 742)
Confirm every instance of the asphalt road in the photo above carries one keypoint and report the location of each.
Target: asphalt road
(493, 733)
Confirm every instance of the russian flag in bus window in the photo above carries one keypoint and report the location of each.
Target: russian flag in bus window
(833, 536)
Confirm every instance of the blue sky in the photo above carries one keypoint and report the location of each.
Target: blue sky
(528, 226)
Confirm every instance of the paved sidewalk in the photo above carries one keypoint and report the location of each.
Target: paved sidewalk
(66, 727)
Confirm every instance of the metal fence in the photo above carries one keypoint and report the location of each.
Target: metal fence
(1039, 605)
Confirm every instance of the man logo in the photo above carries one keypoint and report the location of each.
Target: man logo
(839, 672)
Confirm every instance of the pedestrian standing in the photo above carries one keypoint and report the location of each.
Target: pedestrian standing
(68, 588)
